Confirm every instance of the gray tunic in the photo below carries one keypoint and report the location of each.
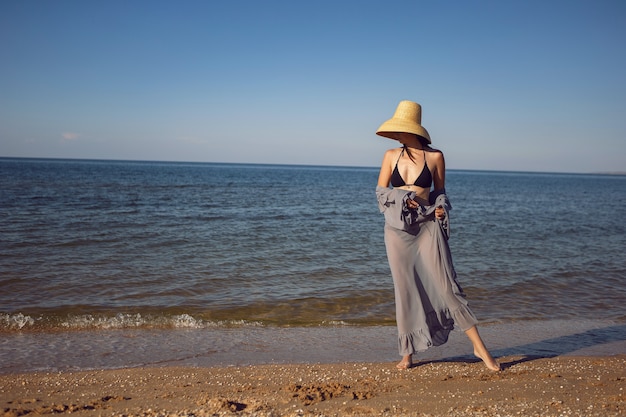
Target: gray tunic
(429, 300)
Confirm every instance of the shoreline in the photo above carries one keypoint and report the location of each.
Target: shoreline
(132, 348)
(571, 385)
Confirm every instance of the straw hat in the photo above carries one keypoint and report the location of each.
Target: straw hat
(407, 118)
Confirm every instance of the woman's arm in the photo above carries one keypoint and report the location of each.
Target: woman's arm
(384, 176)
(439, 180)
(439, 171)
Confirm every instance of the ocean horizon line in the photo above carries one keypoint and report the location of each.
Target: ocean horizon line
(261, 164)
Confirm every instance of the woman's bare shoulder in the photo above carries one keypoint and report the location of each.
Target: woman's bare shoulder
(433, 150)
(434, 154)
(393, 152)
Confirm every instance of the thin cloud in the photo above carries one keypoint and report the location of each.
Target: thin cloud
(69, 136)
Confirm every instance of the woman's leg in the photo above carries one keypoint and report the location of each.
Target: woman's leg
(405, 363)
(480, 351)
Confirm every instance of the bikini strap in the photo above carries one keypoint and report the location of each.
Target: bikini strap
(400, 156)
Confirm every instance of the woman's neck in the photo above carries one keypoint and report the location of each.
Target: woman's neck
(418, 147)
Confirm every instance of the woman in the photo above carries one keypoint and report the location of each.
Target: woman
(429, 301)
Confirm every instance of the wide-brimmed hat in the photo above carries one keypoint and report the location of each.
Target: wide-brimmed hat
(407, 119)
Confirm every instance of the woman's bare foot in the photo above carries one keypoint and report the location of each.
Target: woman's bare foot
(489, 361)
(480, 351)
(405, 363)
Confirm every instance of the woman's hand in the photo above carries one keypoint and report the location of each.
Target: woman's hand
(440, 213)
(412, 204)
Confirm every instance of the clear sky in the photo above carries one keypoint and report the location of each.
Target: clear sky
(504, 85)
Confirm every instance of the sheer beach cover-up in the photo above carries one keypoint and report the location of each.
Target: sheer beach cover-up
(429, 300)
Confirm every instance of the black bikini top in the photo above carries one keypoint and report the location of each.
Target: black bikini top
(424, 180)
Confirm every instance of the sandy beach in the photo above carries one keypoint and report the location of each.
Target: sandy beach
(577, 386)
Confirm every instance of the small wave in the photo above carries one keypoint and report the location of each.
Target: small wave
(16, 321)
(22, 322)
(186, 321)
(126, 321)
(119, 321)
(335, 323)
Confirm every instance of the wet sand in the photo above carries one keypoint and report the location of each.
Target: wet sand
(528, 386)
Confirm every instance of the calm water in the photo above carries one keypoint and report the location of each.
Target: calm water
(145, 245)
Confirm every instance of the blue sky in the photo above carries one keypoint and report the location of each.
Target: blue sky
(504, 85)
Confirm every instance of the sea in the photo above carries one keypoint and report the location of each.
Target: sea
(109, 264)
